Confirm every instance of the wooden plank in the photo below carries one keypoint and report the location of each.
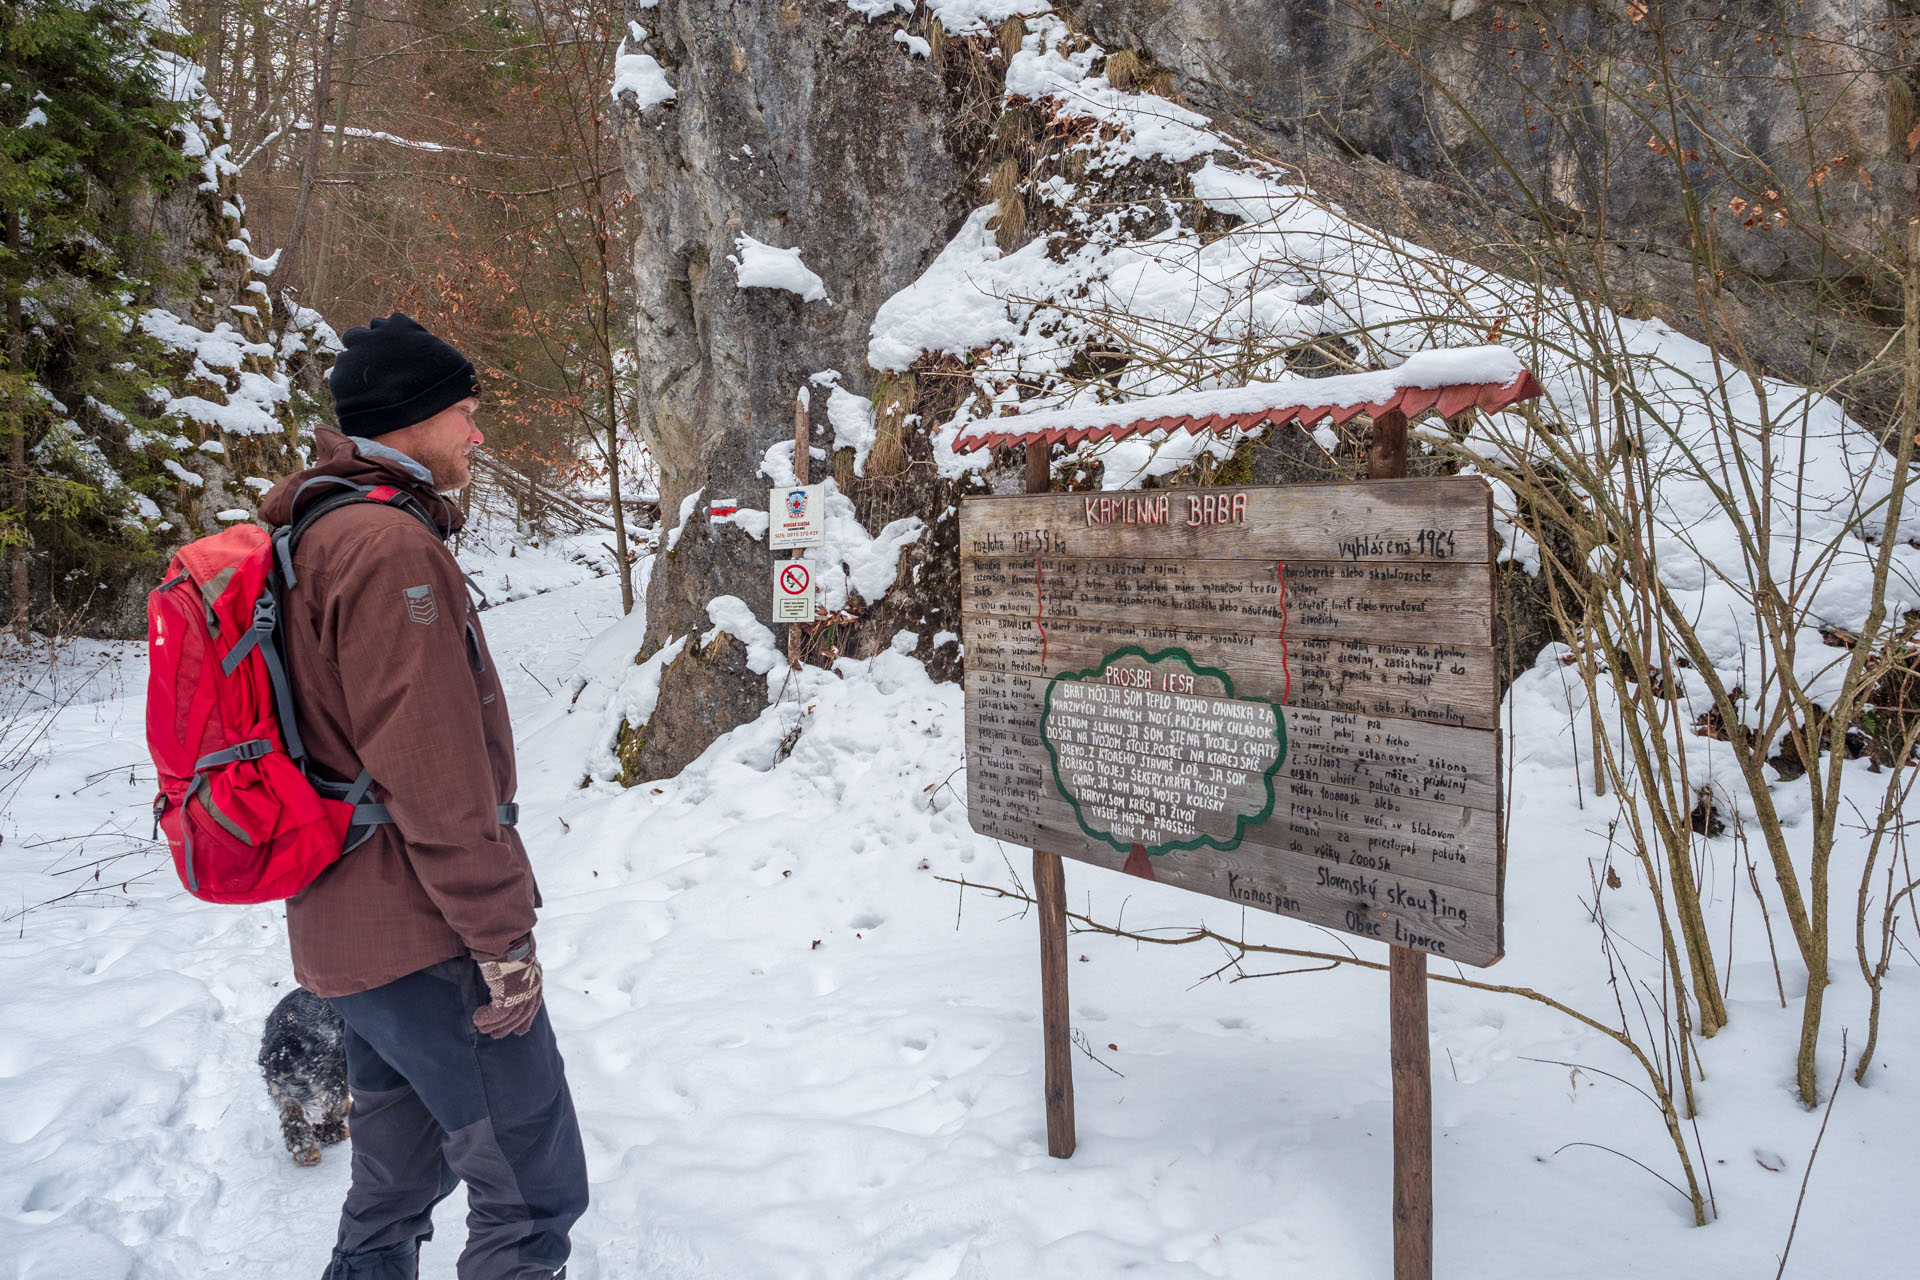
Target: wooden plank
(1458, 923)
(1445, 684)
(1408, 758)
(1170, 797)
(1282, 697)
(1440, 519)
(1302, 846)
(1439, 603)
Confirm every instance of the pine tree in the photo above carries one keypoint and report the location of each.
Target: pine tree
(85, 151)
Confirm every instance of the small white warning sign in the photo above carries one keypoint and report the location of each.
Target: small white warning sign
(799, 514)
(792, 592)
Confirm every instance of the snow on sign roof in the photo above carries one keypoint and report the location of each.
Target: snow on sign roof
(1447, 381)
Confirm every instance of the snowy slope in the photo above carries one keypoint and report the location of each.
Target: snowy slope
(797, 1054)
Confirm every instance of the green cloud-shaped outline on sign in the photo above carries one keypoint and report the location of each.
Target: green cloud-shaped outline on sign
(1242, 821)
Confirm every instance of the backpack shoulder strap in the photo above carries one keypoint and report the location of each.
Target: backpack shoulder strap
(346, 493)
(366, 816)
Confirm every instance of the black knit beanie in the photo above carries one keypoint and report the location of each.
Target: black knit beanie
(393, 374)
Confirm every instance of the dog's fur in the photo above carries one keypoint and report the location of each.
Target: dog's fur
(305, 1061)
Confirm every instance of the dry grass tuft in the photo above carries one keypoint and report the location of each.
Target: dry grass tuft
(892, 401)
(1124, 69)
(1003, 183)
(1012, 32)
(1010, 224)
(1014, 134)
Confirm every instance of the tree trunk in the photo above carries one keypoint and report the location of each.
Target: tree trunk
(18, 559)
(330, 227)
(613, 491)
(310, 165)
(262, 60)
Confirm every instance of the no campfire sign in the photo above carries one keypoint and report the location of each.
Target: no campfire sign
(792, 592)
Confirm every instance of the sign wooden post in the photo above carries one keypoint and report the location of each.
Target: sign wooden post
(802, 455)
(1050, 892)
(1408, 1047)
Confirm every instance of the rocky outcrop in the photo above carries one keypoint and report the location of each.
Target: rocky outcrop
(1562, 107)
(801, 126)
(1482, 131)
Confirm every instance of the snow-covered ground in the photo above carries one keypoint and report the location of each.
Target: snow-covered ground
(797, 1053)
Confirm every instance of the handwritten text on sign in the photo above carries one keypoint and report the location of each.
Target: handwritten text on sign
(1282, 697)
(1163, 770)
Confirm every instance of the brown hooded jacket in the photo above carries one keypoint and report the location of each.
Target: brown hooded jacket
(390, 672)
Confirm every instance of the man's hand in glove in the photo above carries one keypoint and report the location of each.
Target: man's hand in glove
(513, 984)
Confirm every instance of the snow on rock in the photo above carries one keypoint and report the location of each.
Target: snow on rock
(971, 296)
(222, 347)
(977, 17)
(853, 559)
(1151, 126)
(254, 401)
(762, 266)
(776, 464)
(851, 417)
(687, 504)
(750, 520)
(731, 615)
(183, 475)
(629, 702)
(959, 17)
(639, 74)
(916, 45)
(232, 515)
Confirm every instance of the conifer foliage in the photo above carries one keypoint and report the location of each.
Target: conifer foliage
(114, 223)
(88, 138)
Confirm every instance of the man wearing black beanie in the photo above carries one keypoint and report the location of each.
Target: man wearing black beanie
(421, 936)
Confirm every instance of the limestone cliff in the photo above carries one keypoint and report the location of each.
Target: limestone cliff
(886, 142)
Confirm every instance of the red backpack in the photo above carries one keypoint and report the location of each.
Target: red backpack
(245, 817)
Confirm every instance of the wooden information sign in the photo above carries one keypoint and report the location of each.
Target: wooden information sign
(1280, 696)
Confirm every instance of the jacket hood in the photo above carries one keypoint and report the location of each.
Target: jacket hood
(365, 462)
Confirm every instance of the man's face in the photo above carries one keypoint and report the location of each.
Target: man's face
(441, 444)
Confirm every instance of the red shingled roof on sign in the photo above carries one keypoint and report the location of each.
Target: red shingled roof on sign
(1447, 401)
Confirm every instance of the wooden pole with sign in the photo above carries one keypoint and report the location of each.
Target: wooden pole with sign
(802, 455)
(1050, 891)
(1407, 1010)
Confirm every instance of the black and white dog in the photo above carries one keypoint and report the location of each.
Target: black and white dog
(305, 1063)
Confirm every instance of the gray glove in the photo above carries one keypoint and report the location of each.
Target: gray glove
(513, 986)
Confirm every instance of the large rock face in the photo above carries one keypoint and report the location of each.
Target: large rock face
(1559, 106)
(1467, 126)
(799, 125)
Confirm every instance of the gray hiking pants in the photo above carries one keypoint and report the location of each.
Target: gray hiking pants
(437, 1103)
